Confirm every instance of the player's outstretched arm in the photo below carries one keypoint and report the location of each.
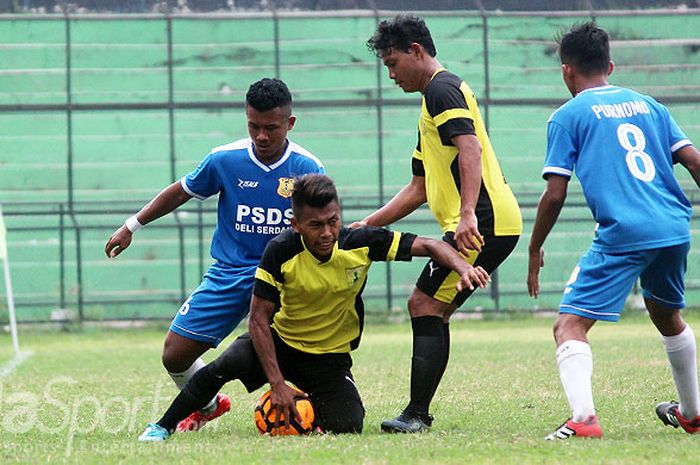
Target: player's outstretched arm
(166, 201)
(689, 157)
(443, 254)
(403, 203)
(548, 209)
(282, 396)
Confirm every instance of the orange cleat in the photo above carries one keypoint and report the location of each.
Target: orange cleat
(197, 420)
(588, 428)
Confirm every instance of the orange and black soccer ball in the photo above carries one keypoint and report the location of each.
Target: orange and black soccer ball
(265, 416)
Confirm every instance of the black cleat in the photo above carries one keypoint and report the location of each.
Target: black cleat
(670, 415)
(666, 411)
(408, 423)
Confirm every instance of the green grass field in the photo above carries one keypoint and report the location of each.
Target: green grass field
(84, 397)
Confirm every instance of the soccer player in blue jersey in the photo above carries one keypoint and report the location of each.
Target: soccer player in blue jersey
(622, 146)
(253, 178)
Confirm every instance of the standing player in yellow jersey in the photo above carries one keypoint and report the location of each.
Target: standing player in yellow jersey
(456, 172)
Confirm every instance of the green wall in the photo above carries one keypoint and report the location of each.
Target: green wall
(120, 158)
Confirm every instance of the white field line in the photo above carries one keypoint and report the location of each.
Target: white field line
(10, 367)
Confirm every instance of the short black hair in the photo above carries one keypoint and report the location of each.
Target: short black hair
(586, 47)
(400, 33)
(313, 190)
(267, 94)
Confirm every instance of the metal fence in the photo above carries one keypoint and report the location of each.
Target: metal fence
(71, 221)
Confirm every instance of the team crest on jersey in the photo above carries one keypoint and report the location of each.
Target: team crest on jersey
(353, 275)
(285, 187)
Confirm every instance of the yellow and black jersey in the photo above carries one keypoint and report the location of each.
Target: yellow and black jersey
(450, 109)
(320, 303)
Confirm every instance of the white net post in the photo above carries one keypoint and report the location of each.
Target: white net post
(8, 283)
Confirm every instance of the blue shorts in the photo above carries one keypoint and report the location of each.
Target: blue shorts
(601, 282)
(216, 307)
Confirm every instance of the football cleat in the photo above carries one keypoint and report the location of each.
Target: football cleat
(589, 428)
(197, 420)
(670, 414)
(408, 423)
(154, 433)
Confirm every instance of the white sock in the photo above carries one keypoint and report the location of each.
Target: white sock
(681, 351)
(575, 362)
(181, 379)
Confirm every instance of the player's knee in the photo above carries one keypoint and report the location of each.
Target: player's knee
(560, 329)
(355, 419)
(413, 304)
(568, 326)
(172, 362)
(338, 405)
(179, 353)
(346, 420)
(421, 304)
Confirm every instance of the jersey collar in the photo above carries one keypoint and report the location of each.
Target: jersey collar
(263, 166)
(313, 257)
(439, 70)
(595, 89)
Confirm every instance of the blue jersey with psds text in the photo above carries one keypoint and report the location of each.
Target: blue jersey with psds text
(620, 144)
(254, 198)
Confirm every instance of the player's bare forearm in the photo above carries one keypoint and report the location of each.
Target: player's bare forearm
(469, 170)
(443, 254)
(261, 310)
(689, 157)
(282, 396)
(406, 201)
(548, 210)
(165, 202)
(467, 235)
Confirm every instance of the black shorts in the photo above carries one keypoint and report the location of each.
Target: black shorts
(439, 282)
(326, 378)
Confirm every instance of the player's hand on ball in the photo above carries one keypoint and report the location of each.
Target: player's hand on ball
(266, 416)
(120, 240)
(282, 398)
(474, 276)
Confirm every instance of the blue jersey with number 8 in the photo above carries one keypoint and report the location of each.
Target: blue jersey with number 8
(620, 144)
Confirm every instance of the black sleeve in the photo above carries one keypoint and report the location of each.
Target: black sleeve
(417, 167)
(441, 96)
(380, 242)
(263, 288)
(278, 250)
(266, 291)
(405, 244)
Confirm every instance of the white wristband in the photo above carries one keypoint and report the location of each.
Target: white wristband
(132, 224)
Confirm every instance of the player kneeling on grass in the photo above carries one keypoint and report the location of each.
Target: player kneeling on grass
(622, 145)
(309, 284)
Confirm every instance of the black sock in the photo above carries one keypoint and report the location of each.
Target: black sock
(197, 393)
(428, 358)
(445, 358)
